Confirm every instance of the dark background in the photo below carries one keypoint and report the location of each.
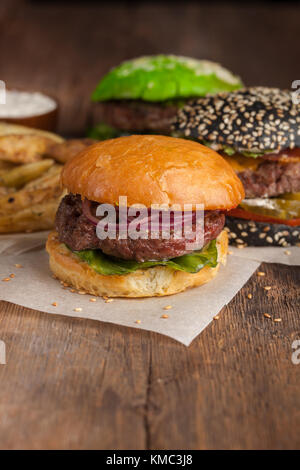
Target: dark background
(64, 48)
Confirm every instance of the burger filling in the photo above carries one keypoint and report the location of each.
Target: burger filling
(79, 234)
(129, 116)
(257, 131)
(272, 185)
(271, 179)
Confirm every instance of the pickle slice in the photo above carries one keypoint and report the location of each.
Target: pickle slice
(291, 196)
(275, 207)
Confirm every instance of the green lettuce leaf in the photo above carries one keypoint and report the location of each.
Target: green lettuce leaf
(231, 151)
(228, 150)
(191, 263)
(164, 77)
(255, 154)
(103, 132)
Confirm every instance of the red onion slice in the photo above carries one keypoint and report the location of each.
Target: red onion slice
(86, 208)
(176, 220)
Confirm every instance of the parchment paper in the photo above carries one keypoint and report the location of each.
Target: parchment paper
(34, 287)
(289, 255)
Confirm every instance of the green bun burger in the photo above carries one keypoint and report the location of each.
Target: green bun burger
(144, 94)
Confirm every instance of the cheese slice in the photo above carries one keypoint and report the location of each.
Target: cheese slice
(241, 163)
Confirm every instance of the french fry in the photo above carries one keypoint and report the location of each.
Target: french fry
(22, 174)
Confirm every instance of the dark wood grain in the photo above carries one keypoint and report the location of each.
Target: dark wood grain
(71, 383)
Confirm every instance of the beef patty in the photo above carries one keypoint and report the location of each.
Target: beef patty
(271, 179)
(78, 233)
(137, 115)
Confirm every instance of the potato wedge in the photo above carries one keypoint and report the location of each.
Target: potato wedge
(7, 128)
(6, 166)
(24, 198)
(23, 148)
(50, 178)
(22, 174)
(30, 189)
(63, 152)
(37, 217)
(4, 191)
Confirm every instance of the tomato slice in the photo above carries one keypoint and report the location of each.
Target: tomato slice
(242, 214)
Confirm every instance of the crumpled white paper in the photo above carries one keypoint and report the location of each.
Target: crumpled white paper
(34, 287)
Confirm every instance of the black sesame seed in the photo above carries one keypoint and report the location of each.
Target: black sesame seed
(244, 119)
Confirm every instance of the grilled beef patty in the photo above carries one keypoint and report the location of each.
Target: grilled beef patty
(271, 179)
(137, 115)
(78, 233)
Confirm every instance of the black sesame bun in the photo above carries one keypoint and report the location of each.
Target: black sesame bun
(242, 233)
(257, 130)
(254, 120)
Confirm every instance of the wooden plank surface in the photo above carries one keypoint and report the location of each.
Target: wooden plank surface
(72, 383)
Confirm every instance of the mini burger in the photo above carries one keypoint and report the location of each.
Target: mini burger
(143, 95)
(257, 130)
(148, 171)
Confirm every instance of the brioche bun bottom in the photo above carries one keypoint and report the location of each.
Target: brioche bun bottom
(156, 281)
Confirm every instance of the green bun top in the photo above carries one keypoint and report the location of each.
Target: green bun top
(164, 77)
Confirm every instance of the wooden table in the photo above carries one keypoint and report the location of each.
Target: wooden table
(72, 383)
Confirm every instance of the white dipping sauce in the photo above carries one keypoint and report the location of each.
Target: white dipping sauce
(21, 104)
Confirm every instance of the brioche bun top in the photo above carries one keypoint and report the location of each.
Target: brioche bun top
(153, 169)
